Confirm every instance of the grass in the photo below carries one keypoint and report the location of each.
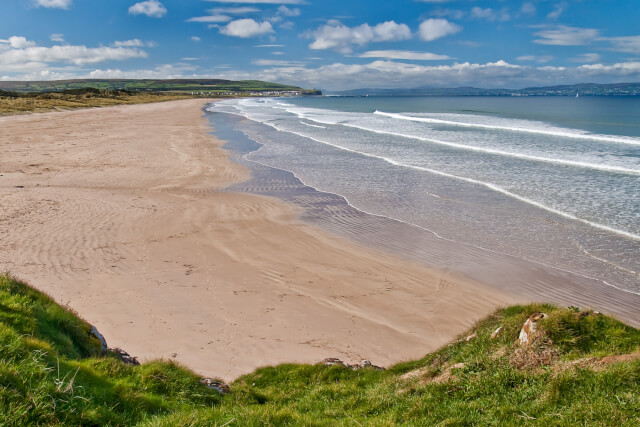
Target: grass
(18, 103)
(52, 373)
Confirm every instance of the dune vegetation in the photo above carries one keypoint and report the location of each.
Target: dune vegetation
(579, 368)
(23, 102)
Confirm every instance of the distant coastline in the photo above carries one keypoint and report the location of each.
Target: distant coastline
(583, 89)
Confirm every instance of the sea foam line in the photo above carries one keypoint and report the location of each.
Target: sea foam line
(574, 163)
(595, 137)
(471, 181)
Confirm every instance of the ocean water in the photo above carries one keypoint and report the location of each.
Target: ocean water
(552, 180)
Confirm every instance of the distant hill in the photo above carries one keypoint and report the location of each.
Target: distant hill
(178, 85)
(584, 89)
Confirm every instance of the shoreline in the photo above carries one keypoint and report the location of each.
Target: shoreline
(529, 279)
(118, 214)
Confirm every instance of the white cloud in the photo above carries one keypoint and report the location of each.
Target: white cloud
(542, 58)
(55, 4)
(433, 29)
(277, 63)
(528, 8)
(23, 56)
(260, 1)
(448, 13)
(490, 14)
(284, 10)
(586, 58)
(566, 36)
(17, 42)
(57, 38)
(151, 8)
(392, 74)
(337, 36)
(557, 11)
(166, 71)
(133, 43)
(210, 18)
(195, 38)
(245, 28)
(233, 10)
(629, 44)
(403, 54)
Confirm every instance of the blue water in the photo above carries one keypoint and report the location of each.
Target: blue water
(552, 180)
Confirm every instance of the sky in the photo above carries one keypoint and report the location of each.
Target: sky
(325, 44)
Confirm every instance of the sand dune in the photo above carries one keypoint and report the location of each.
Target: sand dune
(116, 212)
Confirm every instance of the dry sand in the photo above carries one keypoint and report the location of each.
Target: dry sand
(115, 212)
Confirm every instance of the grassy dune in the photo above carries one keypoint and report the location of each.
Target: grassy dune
(582, 368)
(17, 103)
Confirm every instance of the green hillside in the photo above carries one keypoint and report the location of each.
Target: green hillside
(179, 85)
(580, 368)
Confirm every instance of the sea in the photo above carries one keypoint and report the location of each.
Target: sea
(553, 181)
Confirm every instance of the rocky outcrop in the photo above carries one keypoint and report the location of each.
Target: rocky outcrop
(332, 361)
(528, 332)
(125, 357)
(216, 385)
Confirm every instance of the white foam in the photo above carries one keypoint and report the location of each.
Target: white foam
(491, 186)
(575, 163)
(576, 134)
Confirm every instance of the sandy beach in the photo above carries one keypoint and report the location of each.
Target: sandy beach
(116, 213)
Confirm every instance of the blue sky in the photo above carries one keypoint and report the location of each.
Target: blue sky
(326, 44)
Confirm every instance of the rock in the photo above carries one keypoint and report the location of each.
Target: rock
(528, 331)
(332, 361)
(472, 336)
(495, 333)
(124, 356)
(216, 385)
(100, 337)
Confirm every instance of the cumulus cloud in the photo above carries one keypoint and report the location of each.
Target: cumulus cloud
(284, 10)
(337, 36)
(433, 29)
(245, 28)
(566, 36)
(151, 8)
(392, 74)
(22, 55)
(195, 39)
(18, 42)
(403, 54)
(54, 4)
(490, 14)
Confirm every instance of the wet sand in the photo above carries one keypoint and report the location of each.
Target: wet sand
(119, 214)
(529, 280)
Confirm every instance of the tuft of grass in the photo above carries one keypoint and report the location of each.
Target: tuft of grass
(51, 372)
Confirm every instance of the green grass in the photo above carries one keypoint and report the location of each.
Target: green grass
(51, 373)
(145, 85)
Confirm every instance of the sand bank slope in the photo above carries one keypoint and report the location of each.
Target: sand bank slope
(116, 213)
